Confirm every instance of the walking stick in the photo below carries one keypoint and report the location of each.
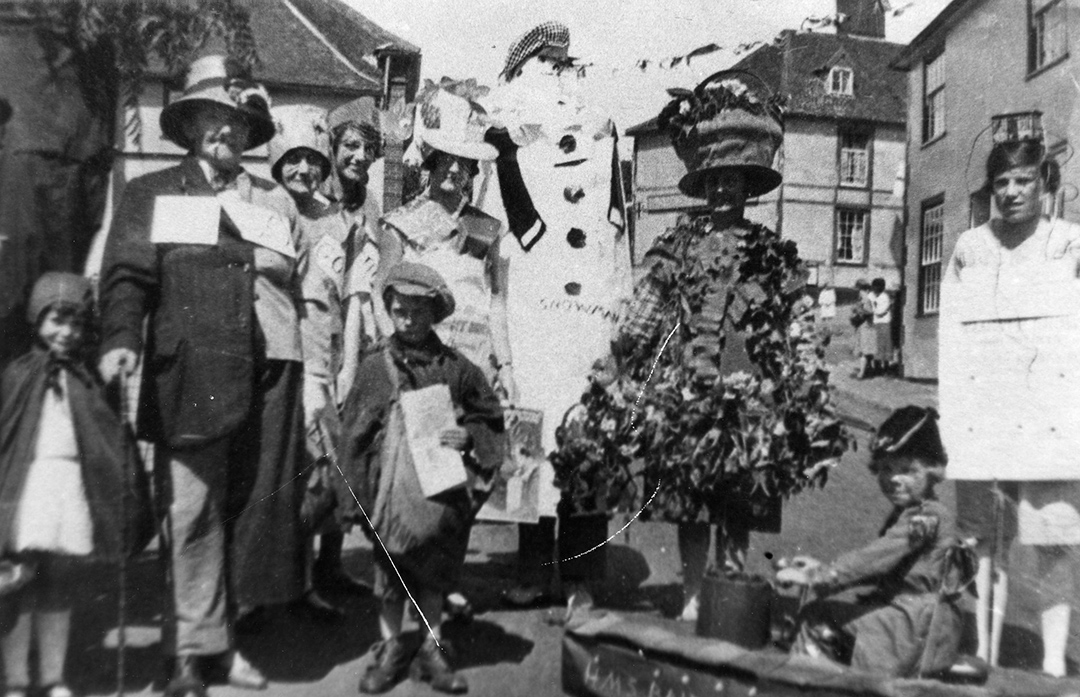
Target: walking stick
(121, 609)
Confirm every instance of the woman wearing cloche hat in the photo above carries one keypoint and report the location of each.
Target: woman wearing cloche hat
(203, 255)
(300, 161)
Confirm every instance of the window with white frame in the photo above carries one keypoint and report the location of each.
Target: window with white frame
(854, 157)
(931, 243)
(840, 81)
(933, 98)
(851, 229)
(1048, 39)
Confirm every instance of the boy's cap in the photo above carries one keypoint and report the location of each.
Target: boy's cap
(419, 280)
(58, 287)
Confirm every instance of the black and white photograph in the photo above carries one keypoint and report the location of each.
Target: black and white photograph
(625, 348)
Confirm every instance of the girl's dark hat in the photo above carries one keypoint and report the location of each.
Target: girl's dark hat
(419, 280)
(58, 287)
(208, 83)
(729, 121)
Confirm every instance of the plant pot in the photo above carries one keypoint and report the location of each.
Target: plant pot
(736, 609)
(578, 533)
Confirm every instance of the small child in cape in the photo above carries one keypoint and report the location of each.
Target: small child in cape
(63, 472)
(911, 626)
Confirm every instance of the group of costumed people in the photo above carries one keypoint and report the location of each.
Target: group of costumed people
(277, 328)
(275, 325)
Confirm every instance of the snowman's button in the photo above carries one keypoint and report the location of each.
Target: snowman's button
(572, 288)
(573, 194)
(576, 238)
(568, 143)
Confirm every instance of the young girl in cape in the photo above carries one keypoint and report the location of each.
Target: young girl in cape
(63, 473)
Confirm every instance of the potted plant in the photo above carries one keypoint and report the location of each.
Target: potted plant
(595, 475)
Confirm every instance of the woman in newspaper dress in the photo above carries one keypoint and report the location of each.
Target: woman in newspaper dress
(441, 229)
(569, 262)
(1010, 329)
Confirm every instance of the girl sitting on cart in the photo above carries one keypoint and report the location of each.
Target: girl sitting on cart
(911, 624)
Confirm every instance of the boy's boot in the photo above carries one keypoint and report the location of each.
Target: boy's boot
(391, 661)
(430, 666)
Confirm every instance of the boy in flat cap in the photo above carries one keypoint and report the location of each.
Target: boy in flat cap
(420, 542)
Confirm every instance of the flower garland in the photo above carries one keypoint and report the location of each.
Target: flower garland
(688, 108)
(700, 441)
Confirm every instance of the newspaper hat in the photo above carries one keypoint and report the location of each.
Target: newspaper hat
(58, 287)
(360, 114)
(553, 36)
(726, 123)
(455, 124)
(420, 280)
(208, 82)
(302, 126)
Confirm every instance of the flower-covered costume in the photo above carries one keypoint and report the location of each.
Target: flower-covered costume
(714, 313)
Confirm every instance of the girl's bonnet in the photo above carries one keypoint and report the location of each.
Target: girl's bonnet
(59, 287)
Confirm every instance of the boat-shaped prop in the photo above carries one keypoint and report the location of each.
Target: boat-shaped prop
(612, 656)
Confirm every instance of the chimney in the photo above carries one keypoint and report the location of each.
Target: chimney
(863, 18)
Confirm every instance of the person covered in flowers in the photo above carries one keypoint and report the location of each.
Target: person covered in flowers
(299, 161)
(912, 626)
(705, 280)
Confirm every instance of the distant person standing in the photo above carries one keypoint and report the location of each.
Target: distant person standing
(883, 317)
(862, 319)
(827, 302)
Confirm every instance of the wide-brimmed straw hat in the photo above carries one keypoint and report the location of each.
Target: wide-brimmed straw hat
(551, 37)
(729, 121)
(209, 83)
(455, 125)
(301, 126)
(420, 280)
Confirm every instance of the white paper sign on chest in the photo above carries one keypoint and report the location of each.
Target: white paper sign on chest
(185, 220)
